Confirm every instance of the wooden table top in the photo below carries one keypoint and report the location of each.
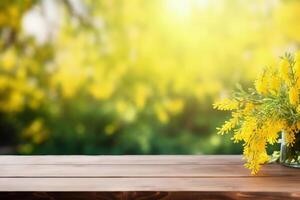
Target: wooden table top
(213, 173)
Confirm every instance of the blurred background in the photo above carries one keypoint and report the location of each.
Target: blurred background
(131, 77)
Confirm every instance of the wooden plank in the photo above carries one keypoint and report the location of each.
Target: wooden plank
(128, 159)
(250, 184)
(148, 195)
(134, 170)
(131, 175)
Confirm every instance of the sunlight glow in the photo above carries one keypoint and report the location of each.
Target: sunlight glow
(201, 3)
(179, 8)
(182, 9)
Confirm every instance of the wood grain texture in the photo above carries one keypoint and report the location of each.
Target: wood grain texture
(142, 177)
(129, 159)
(138, 170)
(251, 184)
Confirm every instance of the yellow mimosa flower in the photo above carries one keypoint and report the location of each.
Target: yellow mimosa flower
(226, 104)
(261, 85)
(297, 64)
(249, 107)
(294, 96)
(274, 84)
(289, 137)
(297, 69)
(262, 117)
(284, 70)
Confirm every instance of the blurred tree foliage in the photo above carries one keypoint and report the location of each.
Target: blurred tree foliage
(130, 77)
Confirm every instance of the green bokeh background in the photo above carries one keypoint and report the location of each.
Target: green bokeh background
(131, 77)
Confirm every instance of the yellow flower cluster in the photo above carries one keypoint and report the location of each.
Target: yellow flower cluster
(226, 104)
(18, 88)
(258, 116)
(230, 124)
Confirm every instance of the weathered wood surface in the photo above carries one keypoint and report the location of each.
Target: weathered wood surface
(142, 177)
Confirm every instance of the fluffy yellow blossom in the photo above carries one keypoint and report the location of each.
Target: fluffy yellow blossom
(271, 129)
(230, 124)
(263, 117)
(274, 84)
(261, 85)
(294, 96)
(226, 104)
(284, 70)
(248, 108)
(255, 152)
(289, 137)
(297, 69)
(289, 133)
(247, 128)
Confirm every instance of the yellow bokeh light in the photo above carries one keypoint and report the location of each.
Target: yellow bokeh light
(178, 8)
